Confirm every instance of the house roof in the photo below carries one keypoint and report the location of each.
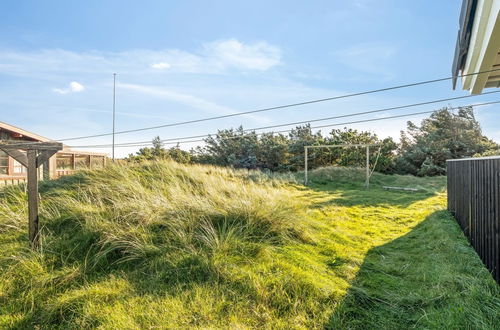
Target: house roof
(36, 137)
(23, 132)
(478, 46)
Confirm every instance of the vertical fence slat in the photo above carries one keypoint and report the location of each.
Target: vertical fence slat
(474, 200)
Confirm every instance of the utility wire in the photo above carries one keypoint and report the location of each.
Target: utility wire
(333, 117)
(188, 138)
(281, 106)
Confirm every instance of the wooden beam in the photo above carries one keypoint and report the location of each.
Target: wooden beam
(33, 199)
(44, 156)
(26, 147)
(17, 155)
(31, 145)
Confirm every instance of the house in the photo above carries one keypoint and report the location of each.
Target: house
(478, 46)
(62, 163)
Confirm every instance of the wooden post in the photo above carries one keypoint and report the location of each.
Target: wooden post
(367, 184)
(305, 166)
(37, 153)
(33, 199)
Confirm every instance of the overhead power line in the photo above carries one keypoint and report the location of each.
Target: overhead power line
(189, 139)
(279, 107)
(339, 116)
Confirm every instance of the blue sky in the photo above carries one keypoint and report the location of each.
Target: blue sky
(181, 60)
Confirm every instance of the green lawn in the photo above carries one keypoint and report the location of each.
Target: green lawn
(172, 246)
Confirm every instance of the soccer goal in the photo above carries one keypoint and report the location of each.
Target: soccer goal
(367, 146)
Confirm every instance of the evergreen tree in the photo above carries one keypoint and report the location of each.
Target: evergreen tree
(444, 135)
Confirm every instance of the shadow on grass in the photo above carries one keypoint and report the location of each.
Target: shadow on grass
(429, 278)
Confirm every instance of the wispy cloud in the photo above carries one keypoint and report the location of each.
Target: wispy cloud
(233, 53)
(160, 66)
(187, 99)
(212, 58)
(74, 87)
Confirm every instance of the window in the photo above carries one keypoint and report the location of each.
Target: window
(64, 162)
(19, 168)
(4, 163)
(81, 161)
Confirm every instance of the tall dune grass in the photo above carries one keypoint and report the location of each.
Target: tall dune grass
(164, 245)
(159, 208)
(178, 222)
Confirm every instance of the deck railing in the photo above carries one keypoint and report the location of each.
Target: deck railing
(60, 173)
(474, 200)
(8, 180)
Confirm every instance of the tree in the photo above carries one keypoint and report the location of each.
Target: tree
(351, 156)
(235, 148)
(158, 152)
(300, 137)
(423, 150)
(383, 154)
(272, 152)
(444, 135)
(278, 152)
(147, 153)
(179, 155)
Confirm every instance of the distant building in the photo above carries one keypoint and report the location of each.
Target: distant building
(64, 162)
(478, 45)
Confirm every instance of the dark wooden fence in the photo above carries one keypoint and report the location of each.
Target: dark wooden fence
(474, 200)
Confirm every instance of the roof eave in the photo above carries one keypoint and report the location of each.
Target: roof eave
(466, 21)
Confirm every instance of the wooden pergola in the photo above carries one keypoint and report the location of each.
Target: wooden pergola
(35, 155)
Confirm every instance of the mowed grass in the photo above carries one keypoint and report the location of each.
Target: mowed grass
(163, 245)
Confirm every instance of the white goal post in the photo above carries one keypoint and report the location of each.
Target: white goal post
(367, 146)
